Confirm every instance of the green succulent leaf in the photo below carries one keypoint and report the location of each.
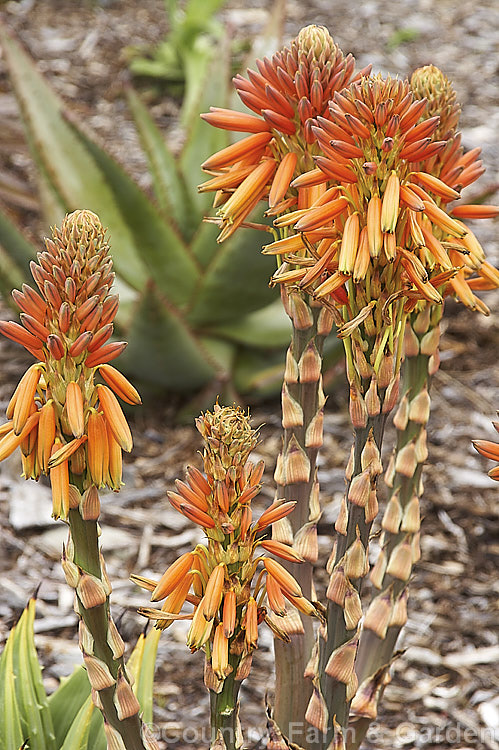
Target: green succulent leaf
(11, 733)
(141, 664)
(16, 246)
(78, 734)
(34, 711)
(169, 185)
(11, 275)
(66, 702)
(268, 328)
(259, 373)
(201, 12)
(203, 139)
(163, 350)
(235, 282)
(35, 676)
(161, 248)
(74, 177)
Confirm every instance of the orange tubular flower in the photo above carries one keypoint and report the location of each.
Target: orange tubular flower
(66, 325)
(287, 93)
(226, 592)
(489, 449)
(397, 165)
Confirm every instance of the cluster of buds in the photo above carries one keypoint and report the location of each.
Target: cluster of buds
(222, 579)
(287, 93)
(67, 425)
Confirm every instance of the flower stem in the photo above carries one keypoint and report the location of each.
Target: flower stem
(399, 544)
(302, 414)
(101, 645)
(373, 356)
(224, 714)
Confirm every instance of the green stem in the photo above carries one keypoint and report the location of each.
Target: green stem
(377, 644)
(86, 555)
(373, 372)
(224, 709)
(303, 402)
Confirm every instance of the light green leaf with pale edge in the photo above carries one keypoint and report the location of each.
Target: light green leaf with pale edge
(15, 244)
(257, 372)
(203, 140)
(163, 350)
(35, 713)
(11, 734)
(169, 186)
(145, 681)
(66, 702)
(11, 276)
(78, 733)
(74, 176)
(268, 328)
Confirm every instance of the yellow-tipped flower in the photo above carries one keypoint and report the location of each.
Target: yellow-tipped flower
(397, 161)
(287, 93)
(489, 449)
(79, 430)
(228, 590)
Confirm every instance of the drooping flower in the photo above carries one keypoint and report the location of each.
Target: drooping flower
(222, 578)
(489, 449)
(382, 220)
(458, 169)
(287, 93)
(68, 425)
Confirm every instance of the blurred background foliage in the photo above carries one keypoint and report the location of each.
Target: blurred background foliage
(198, 316)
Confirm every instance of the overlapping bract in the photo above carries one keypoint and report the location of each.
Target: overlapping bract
(67, 425)
(221, 578)
(287, 93)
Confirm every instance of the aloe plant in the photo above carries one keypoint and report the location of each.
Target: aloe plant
(181, 58)
(194, 312)
(65, 720)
